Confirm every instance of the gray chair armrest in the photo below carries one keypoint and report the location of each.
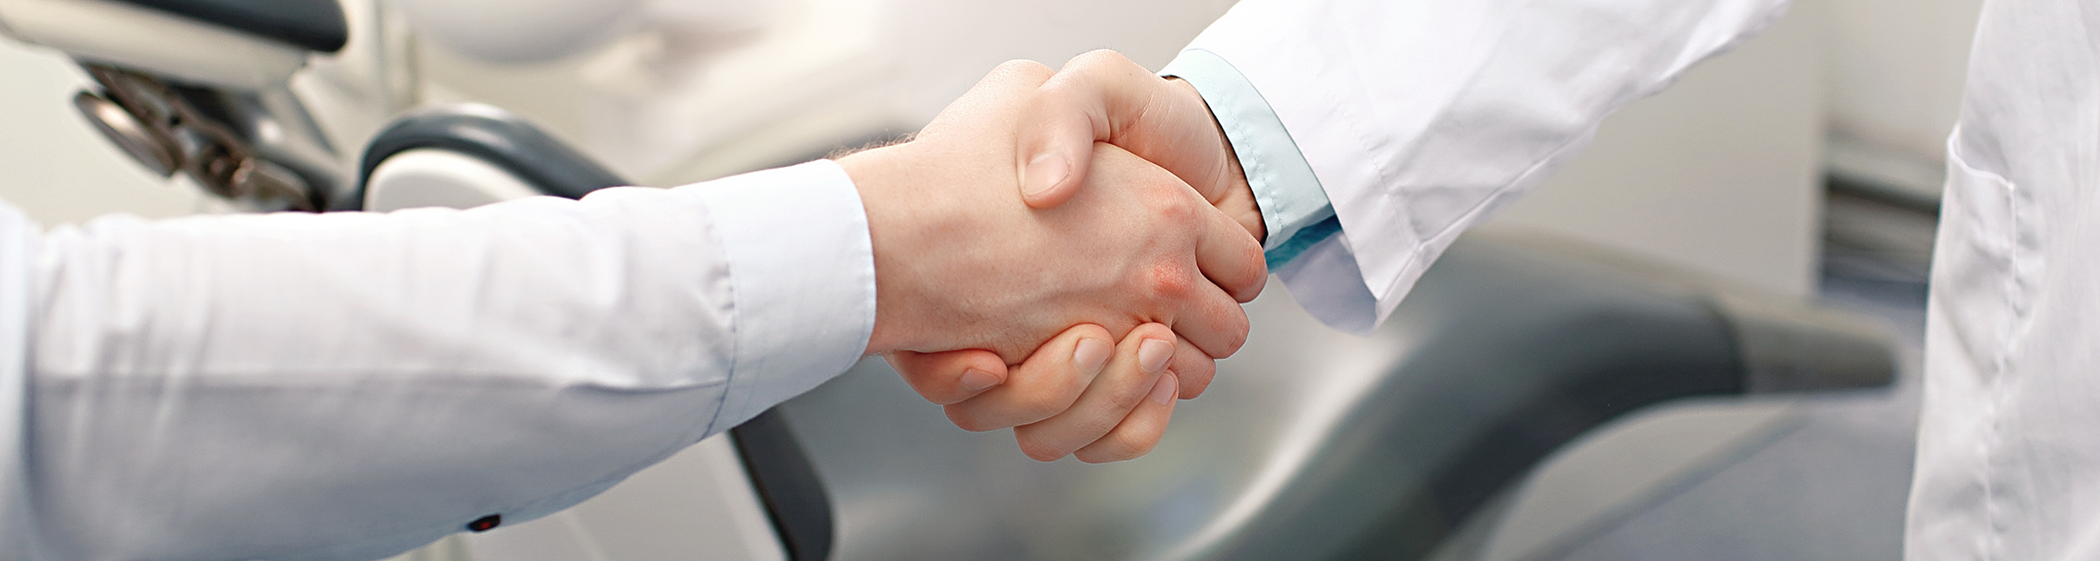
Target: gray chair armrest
(314, 25)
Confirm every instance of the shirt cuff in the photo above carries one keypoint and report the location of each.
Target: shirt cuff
(1294, 207)
(802, 275)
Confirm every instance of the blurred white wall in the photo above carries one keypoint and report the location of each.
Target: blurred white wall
(1718, 174)
(1896, 71)
(798, 77)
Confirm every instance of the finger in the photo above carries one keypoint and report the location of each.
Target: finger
(1174, 287)
(950, 377)
(1086, 102)
(1128, 379)
(1139, 431)
(1192, 367)
(1206, 316)
(1053, 150)
(1047, 383)
(1230, 258)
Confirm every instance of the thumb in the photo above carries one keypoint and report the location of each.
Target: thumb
(1087, 101)
(949, 377)
(1055, 149)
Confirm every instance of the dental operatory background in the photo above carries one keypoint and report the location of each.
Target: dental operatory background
(1804, 165)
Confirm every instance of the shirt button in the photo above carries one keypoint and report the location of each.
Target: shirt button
(485, 523)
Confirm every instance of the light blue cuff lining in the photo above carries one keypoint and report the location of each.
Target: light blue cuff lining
(1294, 208)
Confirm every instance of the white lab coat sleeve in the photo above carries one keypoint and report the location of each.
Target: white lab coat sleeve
(19, 538)
(348, 386)
(1421, 117)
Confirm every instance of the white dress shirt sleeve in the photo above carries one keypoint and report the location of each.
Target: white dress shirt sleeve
(348, 386)
(1418, 118)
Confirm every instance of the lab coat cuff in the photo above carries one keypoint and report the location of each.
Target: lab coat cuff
(1293, 205)
(802, 276)
(1325, 281)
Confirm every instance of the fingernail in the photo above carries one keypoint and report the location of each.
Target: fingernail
(977, 380)
(1153, 354)
(1091, 355)
(1163, 390)
(1044, 172)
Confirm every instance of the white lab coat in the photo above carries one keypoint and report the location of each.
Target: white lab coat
(1419, 118)
(348, 386)
(2009, 438)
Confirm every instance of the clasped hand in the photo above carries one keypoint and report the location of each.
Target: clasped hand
(1063, 254)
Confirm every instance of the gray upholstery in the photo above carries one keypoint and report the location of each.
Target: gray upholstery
(494, 136)
(315, 25)
(1312, 444)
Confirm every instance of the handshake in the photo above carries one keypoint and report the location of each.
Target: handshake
(1064, 254)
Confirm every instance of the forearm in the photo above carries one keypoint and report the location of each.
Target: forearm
(528, 288)
(257, 386)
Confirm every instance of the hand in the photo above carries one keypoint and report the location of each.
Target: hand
(1068, 407)
(960, 264)
(1099, 96)
(1102, 96)
(1077, 395)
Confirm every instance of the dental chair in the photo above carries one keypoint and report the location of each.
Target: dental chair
(200, 88)
(1311, 444)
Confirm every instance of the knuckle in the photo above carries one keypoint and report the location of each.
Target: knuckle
(930, 391)
(1023, 67)
(1060, 102)
(1179, 211)
(965, 419)
(940, 396)
(1192, 385)
(1115, 448)
(1098, 57)
(1243, 288)
(1236, 331)
(1035, 447)
(1092, 330)
(1093, 456)
(905, 364)
(1257, 268)
(1240, 328)
(1170, 280)
(936, 395)
(1194, 375)
(1040, 405)
(1126, 399)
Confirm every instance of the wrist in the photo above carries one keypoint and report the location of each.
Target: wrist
(1233, 195)
(876, 176)
(923, 239)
